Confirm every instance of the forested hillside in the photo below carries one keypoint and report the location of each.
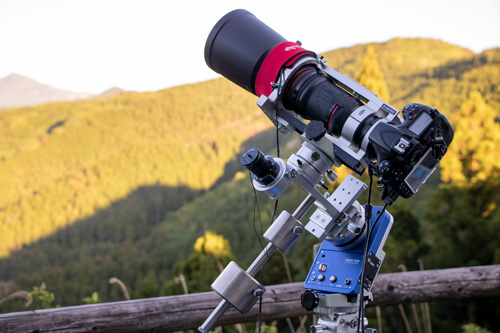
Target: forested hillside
(122, 187)
(62, 162)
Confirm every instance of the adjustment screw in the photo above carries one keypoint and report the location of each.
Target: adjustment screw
(298, 230)
(258, 292)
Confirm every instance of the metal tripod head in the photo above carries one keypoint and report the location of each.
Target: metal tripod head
(338, 219)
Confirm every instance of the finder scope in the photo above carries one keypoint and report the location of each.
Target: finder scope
(263, 168)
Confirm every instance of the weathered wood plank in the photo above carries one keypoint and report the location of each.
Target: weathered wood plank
(174, 313)
(437, 285)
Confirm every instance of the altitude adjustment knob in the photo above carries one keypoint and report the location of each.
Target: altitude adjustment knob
(315, 130)
(309, 300)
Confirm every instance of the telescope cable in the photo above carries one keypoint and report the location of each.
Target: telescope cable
(272, 220)
(262, 272)
(256, 207)
(368, 215)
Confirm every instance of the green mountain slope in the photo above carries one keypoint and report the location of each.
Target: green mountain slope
(123, 186)
(62, 162)
(427, 71)
(139, 241)
(398, 57)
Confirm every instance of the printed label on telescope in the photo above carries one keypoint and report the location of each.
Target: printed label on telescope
(389, 109)
(293, 47)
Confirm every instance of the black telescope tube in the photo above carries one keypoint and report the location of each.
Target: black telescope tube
(237, 46)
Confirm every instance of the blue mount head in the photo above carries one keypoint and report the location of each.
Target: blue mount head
(338, 270)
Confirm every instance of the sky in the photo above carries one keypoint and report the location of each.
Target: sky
(92, 45)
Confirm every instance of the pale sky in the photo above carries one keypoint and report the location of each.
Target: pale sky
(148, 45)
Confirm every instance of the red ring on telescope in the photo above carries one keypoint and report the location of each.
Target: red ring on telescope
(285, 53)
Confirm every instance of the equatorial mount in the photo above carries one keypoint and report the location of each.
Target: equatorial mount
(339, 221)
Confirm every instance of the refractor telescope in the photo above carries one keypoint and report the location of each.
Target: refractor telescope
(294, 84)
(342, 123)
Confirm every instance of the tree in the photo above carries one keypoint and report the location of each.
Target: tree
(474, 157)
(371, 76)
(212, 244)
(211, 253)
(464, 218)
(464, 212)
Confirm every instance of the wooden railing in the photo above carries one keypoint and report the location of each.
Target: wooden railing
(175, 313)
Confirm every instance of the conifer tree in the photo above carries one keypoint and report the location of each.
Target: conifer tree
(465, 212)
(464, 217)
(371, 76)
(474, 155)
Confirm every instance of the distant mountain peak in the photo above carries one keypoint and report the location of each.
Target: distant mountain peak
(17, 90)
(16, 76)
(111, 92)
(16, 79)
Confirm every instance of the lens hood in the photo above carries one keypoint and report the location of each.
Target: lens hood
(237, 46)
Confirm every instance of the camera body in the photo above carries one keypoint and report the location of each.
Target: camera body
(406, 155)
